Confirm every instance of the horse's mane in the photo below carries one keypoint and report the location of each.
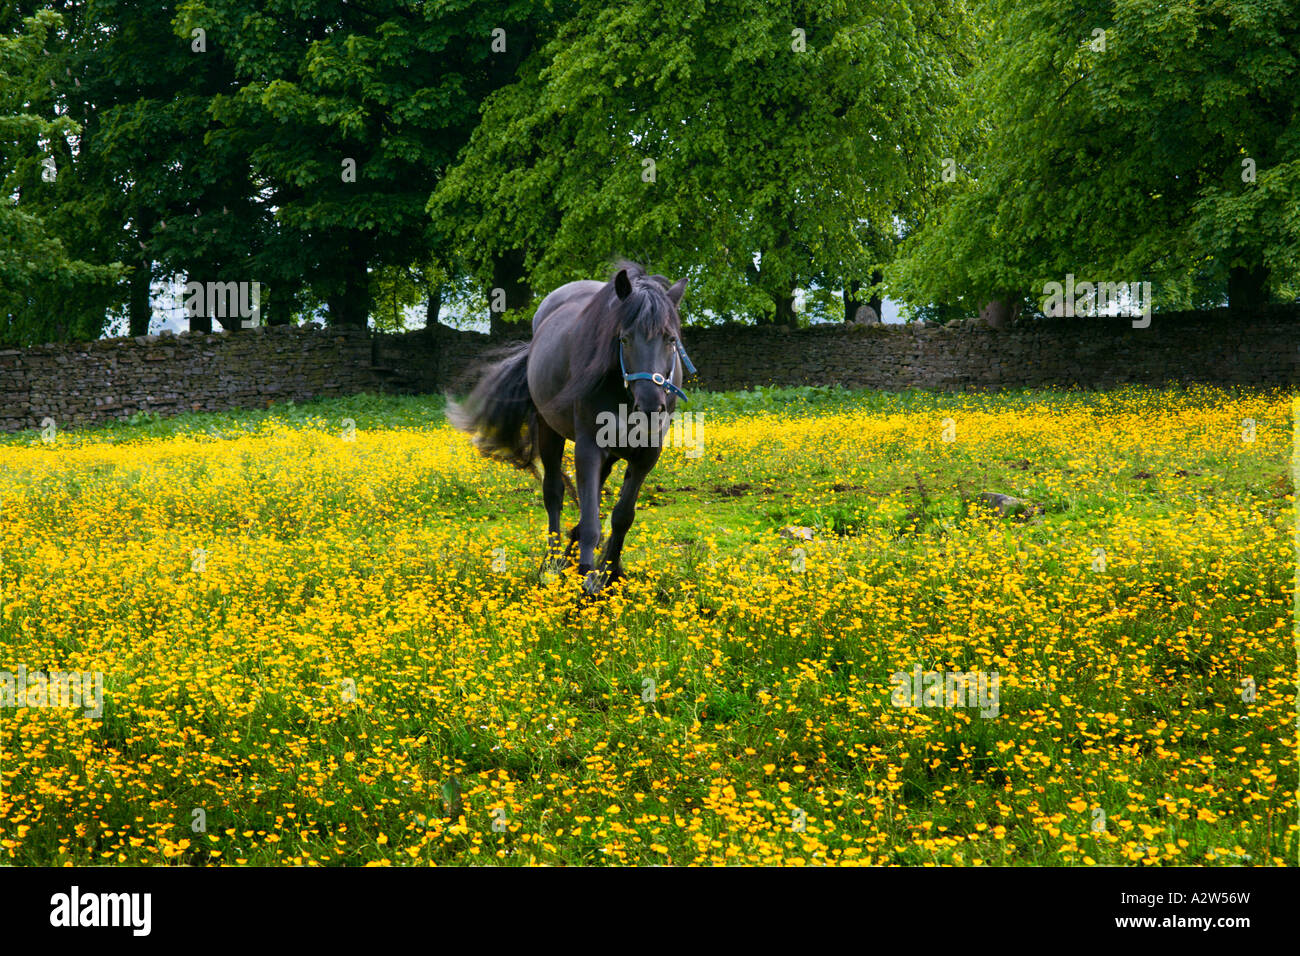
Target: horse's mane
(646, 311)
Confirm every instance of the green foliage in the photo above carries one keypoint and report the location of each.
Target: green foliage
(348, 115)
(40, 280)
(212, 139)
(366, 158)
(1121, 163)
(794, 134)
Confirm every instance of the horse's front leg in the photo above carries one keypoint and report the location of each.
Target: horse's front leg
(573, 532)
(588, 458)
(620, 520)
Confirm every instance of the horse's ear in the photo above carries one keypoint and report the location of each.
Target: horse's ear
(675, 293)
(622, 284)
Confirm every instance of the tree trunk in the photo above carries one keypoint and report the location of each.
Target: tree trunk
(779, 291)
(433, 309)
(852, 303)
(876, 301)
(138, 303)
(508, 275)
(138, 312)
(1247, 287)
(1001, 312)
(203, 321)
(754, 278)
(350, 303)
(851, 300)
(267, 314)
(785, 314)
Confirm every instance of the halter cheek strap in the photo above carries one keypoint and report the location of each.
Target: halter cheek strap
(660, 380)
(686, 359)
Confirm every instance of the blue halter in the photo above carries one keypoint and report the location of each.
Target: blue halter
(660, 380)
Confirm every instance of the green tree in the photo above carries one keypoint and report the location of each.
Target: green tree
(151, 181)
(348, 113)
(1122, 140)
(754, 148)
(42, 283)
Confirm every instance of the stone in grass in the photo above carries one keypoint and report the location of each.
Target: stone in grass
(1010, 507)
(799, 534)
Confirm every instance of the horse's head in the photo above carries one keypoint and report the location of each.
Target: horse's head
(649, 337)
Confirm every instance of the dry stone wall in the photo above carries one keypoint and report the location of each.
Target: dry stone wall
(83, 383)
(1216, 348)
(87, 382)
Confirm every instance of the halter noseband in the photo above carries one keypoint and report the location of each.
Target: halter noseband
(660, 380)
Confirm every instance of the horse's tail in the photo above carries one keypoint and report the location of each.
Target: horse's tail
(499, 411)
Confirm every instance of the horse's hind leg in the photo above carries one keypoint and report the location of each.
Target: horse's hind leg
(550, 444)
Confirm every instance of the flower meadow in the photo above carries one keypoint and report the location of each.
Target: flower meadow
(325, 639)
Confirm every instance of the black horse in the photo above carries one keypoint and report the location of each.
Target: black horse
(595, 345)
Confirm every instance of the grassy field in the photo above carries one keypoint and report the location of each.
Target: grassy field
(327, 646)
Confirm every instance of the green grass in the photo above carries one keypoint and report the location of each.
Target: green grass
(373, 562)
